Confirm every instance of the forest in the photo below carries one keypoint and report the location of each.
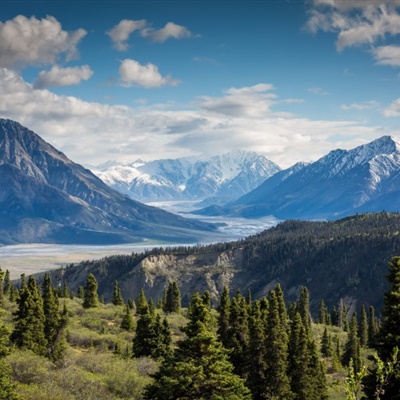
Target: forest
(57, 344)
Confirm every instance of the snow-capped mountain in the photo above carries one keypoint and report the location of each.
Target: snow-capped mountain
(45, 197)
(224, 177)
(341, 183)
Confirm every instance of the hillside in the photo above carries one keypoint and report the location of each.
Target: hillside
(341, 259)
(45, 197)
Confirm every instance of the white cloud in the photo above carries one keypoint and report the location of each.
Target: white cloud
(133, 73)
(387, 55)
(92, 132)
(250, 101)
(62, 76)
(170, 30)
(366, 105)
(121, 32)
(30, 41)
(355, 22)
(393, 110)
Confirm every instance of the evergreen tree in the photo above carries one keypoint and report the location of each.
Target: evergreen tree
(238, 334)
(223, 317)
(363, 327)
(7, 284)
(81, 292)
(54, 323)
(127, 320)
(29, 319)
(199, 368)
(284, 318)
(277, 384)
(90, 296)
(322, 313)
(172, 303)
(352, 346)
(372, 327)
(256, 363)
(388, 337)
(141, 304)
(117, 299)
(303, 307)
(326, 344)
(2, 273)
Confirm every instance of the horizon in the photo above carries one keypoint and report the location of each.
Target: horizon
(154, 80)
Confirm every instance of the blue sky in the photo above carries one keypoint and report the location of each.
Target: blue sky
(124, 80)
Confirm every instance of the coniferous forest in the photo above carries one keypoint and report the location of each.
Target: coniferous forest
(57, 344)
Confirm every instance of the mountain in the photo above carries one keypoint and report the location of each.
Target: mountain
(346, 259)
(45, 197)
(222, 178)
(365, 179)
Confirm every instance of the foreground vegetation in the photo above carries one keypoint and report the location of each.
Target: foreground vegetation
(57, 345)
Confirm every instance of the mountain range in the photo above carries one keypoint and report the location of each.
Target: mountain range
(342, 183)
(218, 178)
(46, 197)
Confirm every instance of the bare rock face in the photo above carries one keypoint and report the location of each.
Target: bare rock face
(45, 197)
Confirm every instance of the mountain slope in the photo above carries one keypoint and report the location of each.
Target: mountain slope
(345, 259)
(45, 197)
(365, 179)
(224, 177)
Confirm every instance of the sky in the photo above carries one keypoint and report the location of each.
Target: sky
(123, 80)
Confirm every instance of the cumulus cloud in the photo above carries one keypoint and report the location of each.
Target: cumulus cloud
(393, 110)
(132, 73)
(366, 105)
(58, 76)
(121, 32)
(387, 55)
(170, 30)
(91, 133)
(250, 101)
(31, 41)
(355, 22)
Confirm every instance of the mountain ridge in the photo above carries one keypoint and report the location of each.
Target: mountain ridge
(44, 191)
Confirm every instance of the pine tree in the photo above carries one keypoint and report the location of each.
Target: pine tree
(363, 328)
(117, 299)
(223, 318)
(326, 344)
(277, 384)
(372, 327)
(141, 304)
(90, 296)
(322, 312)
(282, 307)
(29, 319)
(388, 337)
(7, 284)
(352, 346)
(2, 273)
(172, 303)
(303, 307)
(54, 323)
(256, 366)
(199, 368)
(127, 320)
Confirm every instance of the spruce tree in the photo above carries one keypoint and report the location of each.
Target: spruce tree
(127, 319)
(352, 346)
(2, 273)
(117, 299)
(141, 304)
(29, 319)
(54, 323)
(256, 365)
(7, 284)
(303, 307)
(363, 328)
(277, 383)
(326, 344)
(322, 312)
(372, 327)
(223, 317)
(172, 302)
(90, 296)
(199, 368)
